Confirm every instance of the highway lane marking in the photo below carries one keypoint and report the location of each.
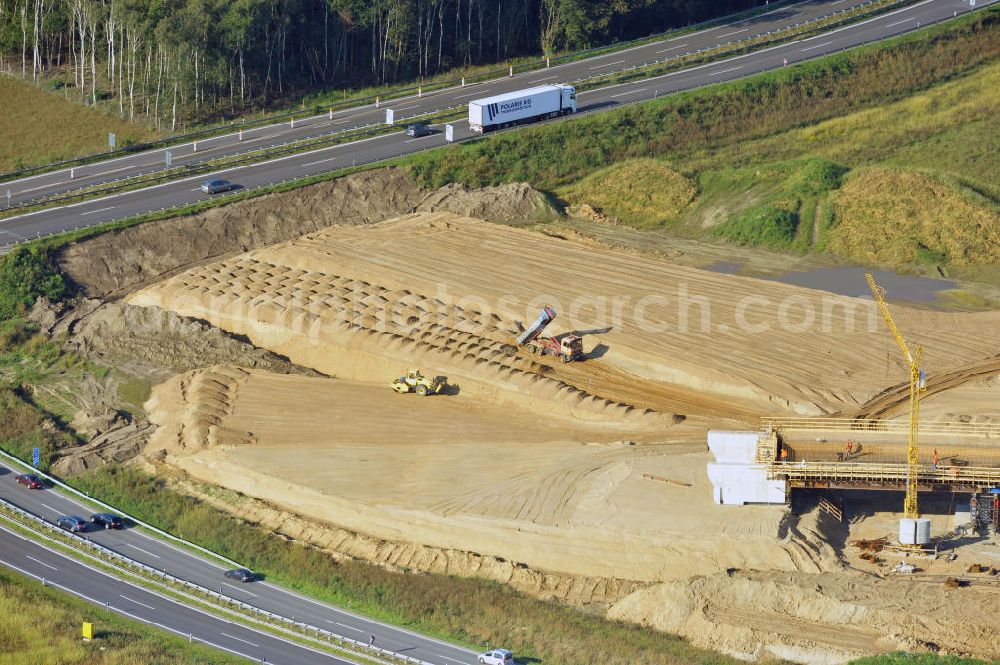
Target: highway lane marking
(270, 163)
(132, 600)
(441, 655)
(672, 48)
(41, 562)
(810, 48)
(91, 212)
(403, 108)
(43, 505)
(344, 625)
(630, 92)
(146, 190)
(730, 34)
(724, 71)
(608, 64)
(253, 595)
(356, 109)
(474, 94)
(892, 25)
(321, 161)
(143, 551)
(173, 602)
(547, 78)
(419, 138)
(382, 626)
(239, 639)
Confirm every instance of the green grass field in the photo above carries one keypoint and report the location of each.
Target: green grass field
(41, 127)
(886, 155)
(43, 625)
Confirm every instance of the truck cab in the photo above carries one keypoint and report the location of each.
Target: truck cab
(571, 348)
(568, 104)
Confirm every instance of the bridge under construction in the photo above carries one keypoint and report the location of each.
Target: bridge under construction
(872, 454)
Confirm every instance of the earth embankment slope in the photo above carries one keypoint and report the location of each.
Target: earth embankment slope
(460, 475)
(115, 263)
(759, 345)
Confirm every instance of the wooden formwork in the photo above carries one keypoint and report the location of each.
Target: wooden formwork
(878, 475)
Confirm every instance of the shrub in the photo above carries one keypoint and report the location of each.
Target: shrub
(761, 226)
(25, 274)
(816, 176)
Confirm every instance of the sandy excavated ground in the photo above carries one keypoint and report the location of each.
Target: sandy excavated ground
(818, 618)
(583, 481)
(553, 495)
(422, 277)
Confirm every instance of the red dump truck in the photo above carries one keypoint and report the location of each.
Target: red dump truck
(568, 348)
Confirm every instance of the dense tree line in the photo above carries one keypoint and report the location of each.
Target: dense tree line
(176, 60)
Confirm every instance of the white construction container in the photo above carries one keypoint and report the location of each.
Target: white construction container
(733, 447)
(737, 479)
(521, 106)
(914, 531)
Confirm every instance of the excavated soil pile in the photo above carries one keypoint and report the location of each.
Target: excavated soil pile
(448, 293)
(148, 341)
(450, 484)
(114, 263)
(819, 618)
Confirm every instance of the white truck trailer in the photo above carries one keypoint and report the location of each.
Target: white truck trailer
(521, 106)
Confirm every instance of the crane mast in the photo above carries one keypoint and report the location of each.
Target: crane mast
(910, 510)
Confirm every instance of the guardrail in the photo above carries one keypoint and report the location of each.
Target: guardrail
(862, 425)
(226, 603)
(494, 74)
(620, 76)
(8, 246)
(394, 93)
(232, 160)
(883, 474)
(215, 201)
(72, 490)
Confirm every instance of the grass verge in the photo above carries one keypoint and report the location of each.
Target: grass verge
(42, 625)
(467, 611)
(40, 126)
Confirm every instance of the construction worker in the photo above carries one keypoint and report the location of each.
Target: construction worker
(934, 458)
(783, 456)
(850, 448)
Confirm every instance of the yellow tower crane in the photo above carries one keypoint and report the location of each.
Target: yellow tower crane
(916, 388)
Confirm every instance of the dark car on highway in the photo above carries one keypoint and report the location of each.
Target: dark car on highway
(30, 480)
(217, 185)
(72, 523)
(241, 574)
(108, 521)
(418, 129)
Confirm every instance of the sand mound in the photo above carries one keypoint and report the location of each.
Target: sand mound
(413, 476)
(825, 618)
(449, 291)
(513, 202)
(918, 218)
(643, 192)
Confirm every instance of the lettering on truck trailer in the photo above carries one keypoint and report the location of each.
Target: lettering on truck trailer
(495, 109)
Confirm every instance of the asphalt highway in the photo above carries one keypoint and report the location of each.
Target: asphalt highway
(66, 180)
(62, 572)
(51, 503)
(186, 190)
